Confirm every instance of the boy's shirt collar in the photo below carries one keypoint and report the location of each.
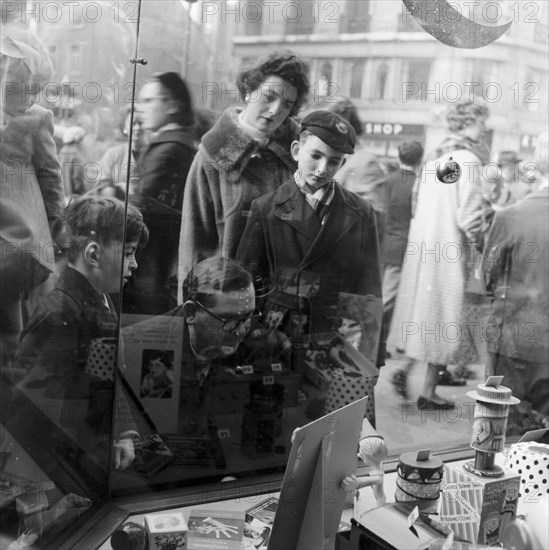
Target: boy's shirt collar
(324, 195)
(320, 199)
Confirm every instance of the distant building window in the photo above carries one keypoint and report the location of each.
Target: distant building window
(356, 16)
(406, 22)
(253, 17)
(481, 72)
(416, 78)
(380, 89)
(326, 85)
(300, 16)
(75, 58)
(355, 76)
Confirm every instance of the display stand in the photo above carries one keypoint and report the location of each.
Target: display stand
(315, 529)
(311, 497)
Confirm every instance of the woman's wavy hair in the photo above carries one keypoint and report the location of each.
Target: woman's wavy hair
(465, 114)
(284, 64)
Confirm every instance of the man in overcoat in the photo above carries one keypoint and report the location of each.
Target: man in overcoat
(515, 267)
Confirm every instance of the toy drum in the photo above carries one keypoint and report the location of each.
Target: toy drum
(419, 481)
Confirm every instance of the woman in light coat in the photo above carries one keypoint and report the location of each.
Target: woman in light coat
(448, 224)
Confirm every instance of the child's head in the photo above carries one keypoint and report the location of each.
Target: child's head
(159, 363)
(324, 140)
(373, 449)
(92, 230)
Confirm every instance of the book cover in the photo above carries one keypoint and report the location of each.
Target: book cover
(151, 454)
(215, 530)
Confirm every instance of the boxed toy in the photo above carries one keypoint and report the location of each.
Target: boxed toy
(167, 531)
(215, 530)
(476, 507)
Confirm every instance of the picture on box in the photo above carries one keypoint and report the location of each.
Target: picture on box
(157, 374)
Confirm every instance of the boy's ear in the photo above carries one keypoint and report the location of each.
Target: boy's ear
(294, 149)
(92, 254)
(189, 312)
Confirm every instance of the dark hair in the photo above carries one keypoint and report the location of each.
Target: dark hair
(345, 108)
(465, 114)
(163, 356)
(284, 64)
(102, 219)
(410, 152)
(214, 274)
(179, 93)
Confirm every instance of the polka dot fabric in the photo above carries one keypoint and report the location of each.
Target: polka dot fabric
(102, 358)
(345, 389)
(530, 461)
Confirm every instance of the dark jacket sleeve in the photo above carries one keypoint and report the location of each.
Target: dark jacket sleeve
(164, 170)
(495, 255)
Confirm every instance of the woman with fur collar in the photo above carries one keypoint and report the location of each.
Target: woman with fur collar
(245, 155)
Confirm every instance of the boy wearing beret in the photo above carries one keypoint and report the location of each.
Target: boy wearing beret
(314, 245)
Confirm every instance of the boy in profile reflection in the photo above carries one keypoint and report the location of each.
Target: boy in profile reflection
(54, 346)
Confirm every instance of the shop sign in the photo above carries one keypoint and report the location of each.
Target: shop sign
(392, 129)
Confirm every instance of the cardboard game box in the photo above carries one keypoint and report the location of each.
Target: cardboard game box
(474, 507)
(167, 531)
(215, 530)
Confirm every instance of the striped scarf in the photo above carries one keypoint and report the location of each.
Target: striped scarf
(319, 200)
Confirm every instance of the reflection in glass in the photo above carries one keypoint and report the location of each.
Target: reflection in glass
(202, 403)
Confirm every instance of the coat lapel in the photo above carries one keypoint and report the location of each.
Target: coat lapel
(341, 217)
(292, 209)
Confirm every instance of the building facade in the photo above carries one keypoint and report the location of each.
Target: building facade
(400, 78)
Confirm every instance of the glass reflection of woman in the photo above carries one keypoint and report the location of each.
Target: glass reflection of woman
(245, 155)
(31, 193)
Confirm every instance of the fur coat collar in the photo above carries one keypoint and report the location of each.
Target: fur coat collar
(227, 146)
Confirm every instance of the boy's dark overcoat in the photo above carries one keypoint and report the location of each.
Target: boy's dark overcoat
(285, 243)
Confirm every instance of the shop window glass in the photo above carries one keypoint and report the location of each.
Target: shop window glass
(194, 421)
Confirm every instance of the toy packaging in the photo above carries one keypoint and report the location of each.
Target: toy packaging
(215, 530)
(167, 531)
(476, 507)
